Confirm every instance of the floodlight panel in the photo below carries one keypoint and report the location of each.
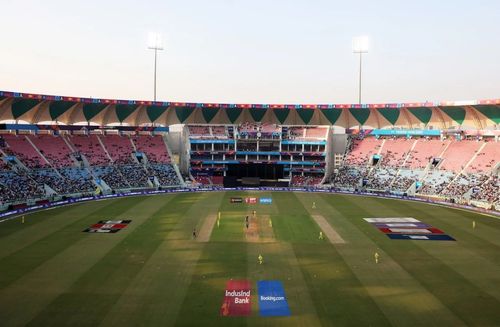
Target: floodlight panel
(360, 44)
(154, 41)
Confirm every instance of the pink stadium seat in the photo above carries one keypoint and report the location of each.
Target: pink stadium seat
(219, 130)
(424, 151)
(316, 132)
(54, 149)
(119, 148)
(458, 154)
(394, 151)
(91, 148)
(487, 159)
(217, 180)
(24, 151)
(199, 130)
(154, 148)
(363, 150)
(205, 180)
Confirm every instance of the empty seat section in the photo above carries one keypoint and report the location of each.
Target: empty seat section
(54, 149)
(90, 147)
(120, 148)
(20, 147)
(154, 148)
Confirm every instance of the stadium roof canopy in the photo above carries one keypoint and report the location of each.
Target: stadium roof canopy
(36, 109)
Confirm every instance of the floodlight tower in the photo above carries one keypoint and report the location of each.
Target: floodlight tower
(360, 45)
(154, 43)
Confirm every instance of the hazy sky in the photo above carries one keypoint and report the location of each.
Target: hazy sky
(254, 51)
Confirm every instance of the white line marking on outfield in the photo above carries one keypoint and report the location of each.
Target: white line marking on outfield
(330, 233)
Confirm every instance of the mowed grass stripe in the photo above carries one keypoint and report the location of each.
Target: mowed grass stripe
(11, 227)
(231, 220)
(41, 224)
(222, 259)
(36, 253)
(458, 223)
(201, 303)
(89, 299)
(149, 299)
(481, 241)
(467, 300)
(339, 298)
(293, 223)
(219, 262)
(334, 287)
(231, 228)
(280, 263)
(397, 293)
(462, 256)
(25, 298)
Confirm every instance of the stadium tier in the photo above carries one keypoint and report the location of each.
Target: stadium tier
(59, 146)
(37, 167)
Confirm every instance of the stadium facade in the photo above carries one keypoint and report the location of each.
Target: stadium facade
(54, 147)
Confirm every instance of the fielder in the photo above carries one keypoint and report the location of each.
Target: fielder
(376, 255)
(261, 259)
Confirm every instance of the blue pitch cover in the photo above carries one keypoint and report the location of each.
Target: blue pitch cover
(272, 299)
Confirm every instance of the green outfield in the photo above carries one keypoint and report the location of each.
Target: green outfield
(152, 273)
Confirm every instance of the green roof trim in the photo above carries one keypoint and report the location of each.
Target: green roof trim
(257, 113)
(183, 113)
(233, 114)
(391, 114)
(423, 114)
(491, 112)
(154, 112)
(22, 106)
(305, 115)
(455, 113)
(361, 115)
(332, 115)
(281, 114)
(90, 110)
(57, 108)
(124, 110)
(209, 114)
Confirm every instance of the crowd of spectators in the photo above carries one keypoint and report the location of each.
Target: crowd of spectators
(306, 180)
(252, 130)
(90, 147)
(219, 131)
(347, 176)
(16, 187)
(68, 182)
(404, 180)
(488, 190)
(435, 183)
(77, 180)
(112, 176)
(165, 174)
(136, 175)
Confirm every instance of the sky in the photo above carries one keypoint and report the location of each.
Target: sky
(253, 51)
